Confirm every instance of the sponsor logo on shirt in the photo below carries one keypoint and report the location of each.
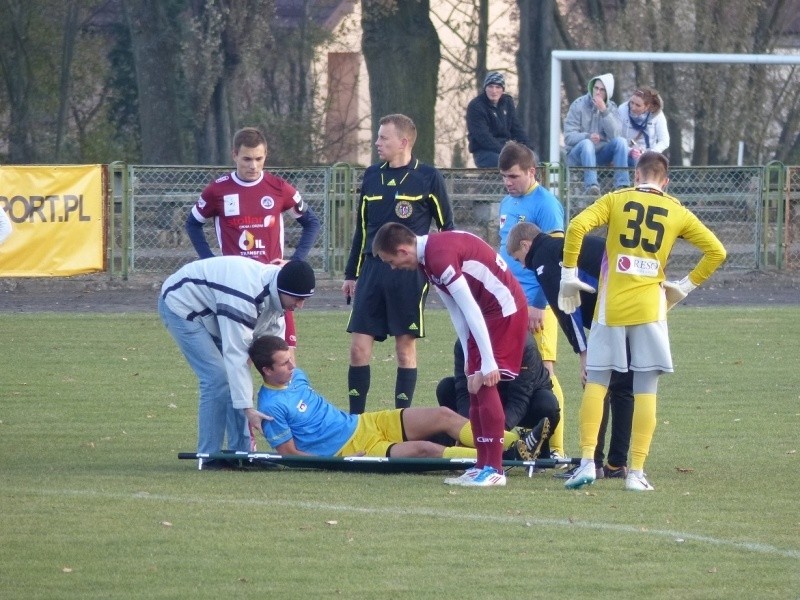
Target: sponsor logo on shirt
(244, 221)
(222, 178)
(246, 241)
(447, 276)
(230, 205)
(635, 265)
(267, 202)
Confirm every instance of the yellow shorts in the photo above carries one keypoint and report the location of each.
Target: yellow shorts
(547, 338)
(375, 434)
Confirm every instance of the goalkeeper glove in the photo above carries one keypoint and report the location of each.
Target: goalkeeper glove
(569, 292)
(677, 290)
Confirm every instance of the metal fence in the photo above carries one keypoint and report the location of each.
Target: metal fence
(753, 210)
(782, 222)
(727, 199)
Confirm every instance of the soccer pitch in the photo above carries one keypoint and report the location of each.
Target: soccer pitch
(95, 504)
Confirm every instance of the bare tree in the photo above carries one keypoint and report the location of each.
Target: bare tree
(709, 108)
(536, 39)
(15, 60)
(154, 40)
(470, 30)
(64, 86)
(290, 84)
(401, 50)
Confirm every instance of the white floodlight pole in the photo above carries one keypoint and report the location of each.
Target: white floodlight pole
(675, 57)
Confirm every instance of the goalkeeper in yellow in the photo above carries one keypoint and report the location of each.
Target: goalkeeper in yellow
(632, 302)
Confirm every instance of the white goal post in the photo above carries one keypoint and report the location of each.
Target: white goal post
(676, 57)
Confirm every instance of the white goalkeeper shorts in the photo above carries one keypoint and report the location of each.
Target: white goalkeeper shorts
(649, 344)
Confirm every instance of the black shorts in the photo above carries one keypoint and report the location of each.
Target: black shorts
(388, 301)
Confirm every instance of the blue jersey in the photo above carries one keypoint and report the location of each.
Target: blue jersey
(300, 413)
(540, 207)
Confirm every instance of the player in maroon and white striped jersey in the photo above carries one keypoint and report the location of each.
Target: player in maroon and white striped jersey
(247, 208)
(489, 312)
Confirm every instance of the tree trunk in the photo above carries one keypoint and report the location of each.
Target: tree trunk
(666, 81)
(64, 86)
(574, 76)
(481, 51)
(17, 73)
(155, 52)
(536, 27)
(402, 53)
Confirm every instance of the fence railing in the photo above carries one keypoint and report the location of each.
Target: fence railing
(753, 210)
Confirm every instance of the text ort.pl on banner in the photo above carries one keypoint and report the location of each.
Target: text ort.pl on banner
(58, 218)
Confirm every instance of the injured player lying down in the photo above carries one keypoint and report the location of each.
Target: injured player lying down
(304, 423)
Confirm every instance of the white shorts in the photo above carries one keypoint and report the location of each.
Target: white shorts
(649, 344)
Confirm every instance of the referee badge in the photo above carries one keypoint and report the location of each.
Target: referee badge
(403, 209)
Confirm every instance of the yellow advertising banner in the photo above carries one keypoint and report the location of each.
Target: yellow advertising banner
(58, 217)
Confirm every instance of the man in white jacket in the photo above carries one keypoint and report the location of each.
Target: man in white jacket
(592, 135)
(5, 226)
(211, 307)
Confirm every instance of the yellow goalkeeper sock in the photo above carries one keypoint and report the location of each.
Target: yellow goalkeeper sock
(590, 417)
(459, 452)
(642, 428)
(557, 437)
(465, 437)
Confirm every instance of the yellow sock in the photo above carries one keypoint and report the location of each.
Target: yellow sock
(557, 437)
(465, 437)
(590, 417)
(509, 438)
(459, 452)
(642, 428)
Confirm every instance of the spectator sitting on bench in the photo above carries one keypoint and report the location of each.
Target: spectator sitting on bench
(592, 135)
(643, 123)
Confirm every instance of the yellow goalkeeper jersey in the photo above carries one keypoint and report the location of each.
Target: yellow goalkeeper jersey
(643, 224)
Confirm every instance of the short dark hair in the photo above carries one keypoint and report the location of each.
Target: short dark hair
(404, 125)
(249, 137)
(514, 153)
(653, 165)
(524, 230)
(390, 237)
(263, 349)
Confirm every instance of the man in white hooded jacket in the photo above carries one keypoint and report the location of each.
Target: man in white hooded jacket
(592, 134)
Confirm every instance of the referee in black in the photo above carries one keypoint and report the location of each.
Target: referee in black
(390, 302)
(542, 254)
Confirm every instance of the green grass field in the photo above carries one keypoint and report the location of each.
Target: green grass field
(95, 504)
